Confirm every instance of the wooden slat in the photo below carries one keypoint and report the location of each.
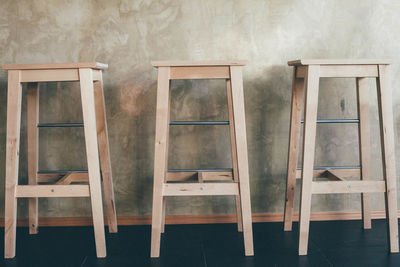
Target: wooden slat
(24, 191)
(339, 62)
(332, 175)
(92, 154)
(12, 159)
(160, 158)
(199, 63)
(343, 173)
(104, 153)
(385, 111)
(243, 162)
(53, 75)
(338, 187)
(92, 65)
(364, 144)
(294, 146)
(75, 177)
(32, 111)
(232, 136)
(97, 75)
(310, 119)
(349, 71)
(203, 189)
(212, 72)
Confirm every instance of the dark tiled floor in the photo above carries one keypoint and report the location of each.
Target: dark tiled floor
(339, 243)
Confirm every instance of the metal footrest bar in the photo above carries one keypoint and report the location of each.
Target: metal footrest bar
(49, 125)
(336, 121)
(199, 123)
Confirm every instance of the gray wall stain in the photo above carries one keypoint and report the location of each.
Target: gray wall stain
(129, 34)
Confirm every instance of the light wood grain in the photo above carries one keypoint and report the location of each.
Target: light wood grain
(160, 157)
(339, 62)
(54, 75)
(310, 119)
(32, 120)
(348, 71)
(294, 145)
(234, 152)
(343, 173)
(92, 153)
(340, 187)
(35, 191)
(201, 189)
(388, 154)
(190, 72)
(104, 152)
(73, 177)
(241, 146)
(199, 63)
(12, 161)
(364, 145)
(91, 65)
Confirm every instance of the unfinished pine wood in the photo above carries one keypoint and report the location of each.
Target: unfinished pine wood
(310, 121)
(339, 62)
(201, 189)
(234, 153)
(364, 145)
(388, 154)
(340, 187)
(207, 176)
(348, 71)
(54, 75)
(104, 152)
(212, 72)
(343, 173)
(32, 111)
(12, 159)
(294, 144)
(332, 175)
(204, 63)
(92, 153)
(242, 157)
(73, 177)
(91, 65)
(160, 157)
(35, 191)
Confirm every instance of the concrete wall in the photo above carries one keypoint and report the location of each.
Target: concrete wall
(129, 34)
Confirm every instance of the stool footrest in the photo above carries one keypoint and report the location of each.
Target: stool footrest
(200, 189)
(68, 124)
(55, 176)
(199, 123)
(205, 176)
(52, 191)
(353, 172)
(341, 187)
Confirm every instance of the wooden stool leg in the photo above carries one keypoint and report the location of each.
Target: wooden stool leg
(310, 121)
(388, 157)
(12, 160)
(33, 150)
(105, 162)
(294, 143)
(234, 154)
(160, 157)
(364, 144)
(92, 152)
(243, 167)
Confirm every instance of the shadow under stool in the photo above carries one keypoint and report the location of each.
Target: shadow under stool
(306, 76)
(235, 181)
(58, 183)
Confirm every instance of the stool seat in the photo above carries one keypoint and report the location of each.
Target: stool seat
(302, 62)
(90, 65)
(199, 63)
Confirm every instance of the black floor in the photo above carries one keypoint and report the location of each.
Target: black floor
(338, 243)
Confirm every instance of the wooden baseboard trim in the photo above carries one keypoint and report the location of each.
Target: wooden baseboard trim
(200, 219)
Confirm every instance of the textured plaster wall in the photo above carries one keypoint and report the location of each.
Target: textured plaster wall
(129, 34)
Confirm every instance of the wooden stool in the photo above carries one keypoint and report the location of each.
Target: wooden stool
(96, 139)
(239, 187)
(308, 72)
